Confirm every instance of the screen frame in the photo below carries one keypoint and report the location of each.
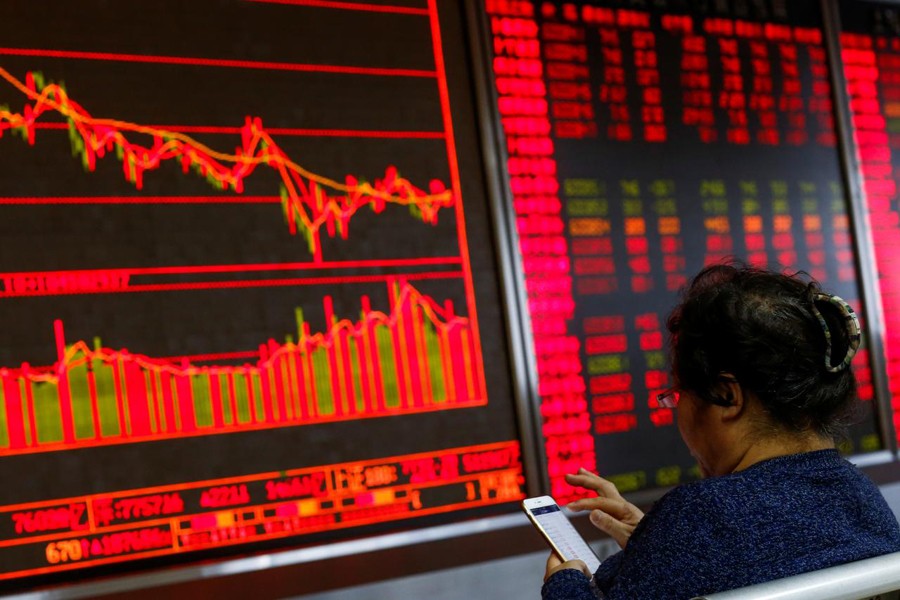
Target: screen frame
(437, 547)
(305, 563)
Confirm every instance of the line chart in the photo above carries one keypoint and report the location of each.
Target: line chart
(304, 195)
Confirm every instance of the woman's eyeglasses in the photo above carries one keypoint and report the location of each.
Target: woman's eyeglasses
(668, 398)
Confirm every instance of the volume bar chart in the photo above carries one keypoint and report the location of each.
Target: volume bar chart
(415, 358)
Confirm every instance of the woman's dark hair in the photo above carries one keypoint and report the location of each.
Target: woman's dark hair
(761, 327)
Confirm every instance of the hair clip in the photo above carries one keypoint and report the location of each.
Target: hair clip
(853, 330)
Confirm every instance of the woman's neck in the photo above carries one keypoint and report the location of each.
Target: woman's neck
(781, 444)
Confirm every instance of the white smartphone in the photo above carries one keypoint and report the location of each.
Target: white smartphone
(565, 540)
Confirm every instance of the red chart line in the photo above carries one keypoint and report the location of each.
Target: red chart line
(52, 201)
(216, 62)
(285, 131)
(402, 10)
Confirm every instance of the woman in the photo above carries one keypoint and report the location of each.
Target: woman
(760, 363)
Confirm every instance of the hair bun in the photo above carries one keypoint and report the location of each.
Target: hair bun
(851, 326)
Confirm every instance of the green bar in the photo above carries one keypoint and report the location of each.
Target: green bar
(123, 386)
(353, 348)
(47, 412)
(611, 363)
(241, 399)
(870, 443)
(668, 476)
(151, 401)
(4, 423)
(176, 407)
(257, 396)
(202, 401)
(106, 398)
(655, 359)
(635, 480)
(160, 399)
(80, 394)
(322, 381)
(26, 412)
(435, 363)
(225, 396)
(287, 386)
(387, 358)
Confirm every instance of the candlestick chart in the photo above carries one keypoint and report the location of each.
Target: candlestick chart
(254, 258)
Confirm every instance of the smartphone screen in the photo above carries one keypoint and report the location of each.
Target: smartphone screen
(545, 513)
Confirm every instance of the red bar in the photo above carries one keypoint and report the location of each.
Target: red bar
(454, 348)
(422, 355)
(154, 399)
(275, 363)
(295, 392)
(314, 393)
(303, 398)
(120, 401)
(415, 376)
(165, 382)
(348, 372)
(374, 360)
(454, 340)
(95, 408)
(328, 304)
(268, 417)
(65, 397)
(136, 393)
(15, 420)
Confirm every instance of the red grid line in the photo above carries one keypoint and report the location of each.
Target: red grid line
(216, 62)
(357, 133)
(403, 10)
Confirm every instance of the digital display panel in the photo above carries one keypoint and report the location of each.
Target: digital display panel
(645, 140)
(870, 49)
(248, 286)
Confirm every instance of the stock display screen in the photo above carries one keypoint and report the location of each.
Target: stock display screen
(870, 49)
(645, 140)
(248, 287)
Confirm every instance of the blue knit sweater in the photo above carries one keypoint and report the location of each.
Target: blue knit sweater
(780, 517)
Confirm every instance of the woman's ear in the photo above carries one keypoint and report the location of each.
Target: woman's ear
(729, 395)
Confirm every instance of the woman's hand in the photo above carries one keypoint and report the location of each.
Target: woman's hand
(554, 564)
(610, 513)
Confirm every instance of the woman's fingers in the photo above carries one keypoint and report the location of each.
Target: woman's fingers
(615, 517)
(618, 530)
(615, 507)
(590, 481)
(610, 513)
